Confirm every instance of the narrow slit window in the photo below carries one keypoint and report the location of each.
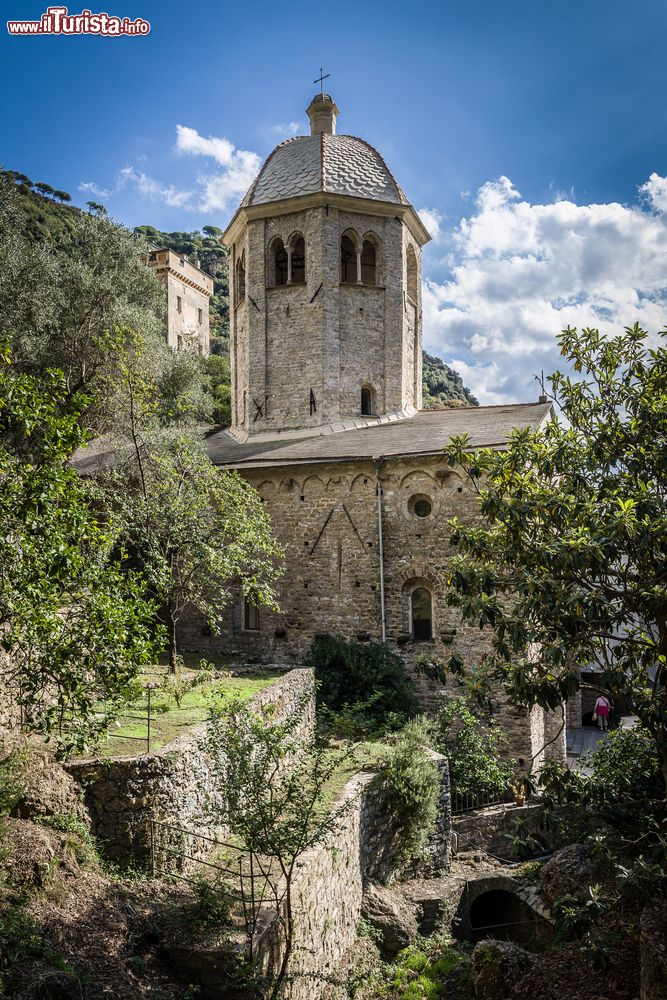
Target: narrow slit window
(250, 616)
(422, 614)
(366, 401)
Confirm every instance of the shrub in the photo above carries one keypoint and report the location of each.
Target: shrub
(351, 672)
(626, 765)
(474, 748)
(412, 785)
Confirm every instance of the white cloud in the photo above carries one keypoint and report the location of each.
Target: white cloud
(90, 188)
(153, 189)
(144, 184)
(655, 191)
(224, 188)
(521, 272)
(287, 128)
(433, 220)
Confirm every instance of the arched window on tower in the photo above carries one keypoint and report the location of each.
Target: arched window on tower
(240, 278)
(298, 261)
(348, 261)
(368, 263)
(367, 400)
(412, 276)
(279, 263)
(421, 613)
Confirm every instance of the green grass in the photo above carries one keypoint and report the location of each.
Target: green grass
(128, 735)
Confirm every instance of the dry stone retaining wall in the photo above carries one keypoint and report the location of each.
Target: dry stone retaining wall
(172, 785)
(329, 889)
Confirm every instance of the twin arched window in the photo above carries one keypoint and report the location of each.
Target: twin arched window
(288, 263)
(358, 259)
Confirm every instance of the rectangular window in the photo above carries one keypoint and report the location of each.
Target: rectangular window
(251, 616)
(179, 304)
(200, 316)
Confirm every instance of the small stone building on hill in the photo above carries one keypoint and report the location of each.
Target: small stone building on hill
(188, 291)
(326, 347)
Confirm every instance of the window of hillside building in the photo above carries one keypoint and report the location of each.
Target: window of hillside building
(279, 263)
(240, 278)
(200, 316)
(348, 261)
(299, 261)
(250, 616)
(368, 263)
(179, 304)
(422, 614)
(366, 401)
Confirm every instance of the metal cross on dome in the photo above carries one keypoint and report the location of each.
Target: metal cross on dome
(323, 76)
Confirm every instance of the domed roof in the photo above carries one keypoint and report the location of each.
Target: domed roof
(336, 164)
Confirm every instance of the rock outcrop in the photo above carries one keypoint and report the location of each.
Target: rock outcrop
(497, 967)
(390, 913)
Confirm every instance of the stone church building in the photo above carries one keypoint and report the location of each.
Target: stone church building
(326, 348)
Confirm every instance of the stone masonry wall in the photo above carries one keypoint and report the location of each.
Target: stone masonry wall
(171, 785)
(329, 888)
(326, 516)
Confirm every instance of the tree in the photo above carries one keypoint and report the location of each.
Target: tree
(83, 303)
(62, 196)
(568, 567)
(95, 206)
(197, 531)
(74, 623)
(274, 777)
(44, 189)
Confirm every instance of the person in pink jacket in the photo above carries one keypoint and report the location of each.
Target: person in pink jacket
(602, 710)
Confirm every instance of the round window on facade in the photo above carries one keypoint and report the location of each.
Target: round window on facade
(420, 506)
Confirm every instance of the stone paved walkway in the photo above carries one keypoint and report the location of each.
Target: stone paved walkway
(582, 741)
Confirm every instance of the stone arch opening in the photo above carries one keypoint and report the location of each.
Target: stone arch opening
(278, 262)
(240, 278)
(498, 906)
(367, 400)
(348, 258)
(369, 255)
(421, 614)
(297, 259)
(505, 916)
(412, 284)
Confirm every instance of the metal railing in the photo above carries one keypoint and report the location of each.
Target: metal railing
(243, 879)
(469, 803)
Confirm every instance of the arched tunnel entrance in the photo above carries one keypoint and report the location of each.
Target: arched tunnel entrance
(502, 915)
(503, 908)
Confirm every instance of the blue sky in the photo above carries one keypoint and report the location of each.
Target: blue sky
(524, 129)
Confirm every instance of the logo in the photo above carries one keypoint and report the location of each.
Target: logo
(57, 21)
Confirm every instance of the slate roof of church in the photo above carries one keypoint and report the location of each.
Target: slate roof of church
(425, 433)
(337, 164)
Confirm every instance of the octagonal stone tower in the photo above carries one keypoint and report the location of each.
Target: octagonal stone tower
(325, 289)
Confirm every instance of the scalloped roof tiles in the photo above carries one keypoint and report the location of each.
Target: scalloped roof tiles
(339, 164)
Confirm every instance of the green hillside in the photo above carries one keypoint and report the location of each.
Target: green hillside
(48, 216)
(443, 386)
